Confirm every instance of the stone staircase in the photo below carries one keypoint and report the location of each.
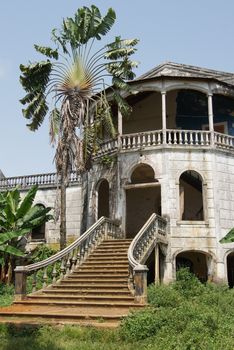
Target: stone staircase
(94, 294)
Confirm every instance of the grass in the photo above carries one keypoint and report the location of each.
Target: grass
(186, 315)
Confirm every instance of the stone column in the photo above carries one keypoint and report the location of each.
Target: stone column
(20, 283)
(164, 116)
(157, 265)
(120, 127)
(211, 118)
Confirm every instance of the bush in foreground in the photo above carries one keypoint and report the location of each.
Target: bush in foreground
(184, 315)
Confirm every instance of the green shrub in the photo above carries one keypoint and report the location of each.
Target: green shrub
(187, 284)
(163, 296)
(6, 294)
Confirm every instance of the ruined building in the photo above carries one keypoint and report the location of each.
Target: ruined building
(173, 156)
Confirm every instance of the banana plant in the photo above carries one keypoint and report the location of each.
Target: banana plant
(77, 80)
(17, 219)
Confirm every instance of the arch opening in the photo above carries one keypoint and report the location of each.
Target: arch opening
(230, 269)
(38, 233)
(196, 262)
(103, 199)
(143, 197)
(191, 196)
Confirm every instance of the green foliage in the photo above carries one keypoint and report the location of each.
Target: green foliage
(76, 86)
(42, 252)
(6, 295)
(187, 283)
(184, 315)
(17, 218)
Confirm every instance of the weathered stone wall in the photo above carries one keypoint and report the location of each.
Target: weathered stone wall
(216, 169)
(47, 197)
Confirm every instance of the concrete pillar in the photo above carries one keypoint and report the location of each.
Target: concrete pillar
(164, 116)
(120, 123)
(140, 282)
(20, 283)
(157, 265)
(211, 118)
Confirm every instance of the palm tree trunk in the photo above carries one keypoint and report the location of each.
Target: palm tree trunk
(63, 230)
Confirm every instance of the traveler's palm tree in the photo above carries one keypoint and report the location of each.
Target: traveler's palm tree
(72, 82)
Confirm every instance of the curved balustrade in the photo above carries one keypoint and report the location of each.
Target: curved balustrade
(224, 141)
(107, 147)
(60, 265)
(153, 231)
(171, 138)
(49, 179)
(141, 139)
(188, 137)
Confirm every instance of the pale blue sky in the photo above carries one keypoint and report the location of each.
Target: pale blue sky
(197, 32)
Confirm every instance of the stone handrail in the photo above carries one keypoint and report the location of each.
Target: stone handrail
(153, 231)
(48, 179)
(60, 265)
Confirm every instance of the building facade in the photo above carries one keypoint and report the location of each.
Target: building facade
(173, 156)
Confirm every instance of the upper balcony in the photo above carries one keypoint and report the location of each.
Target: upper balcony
(178, 113)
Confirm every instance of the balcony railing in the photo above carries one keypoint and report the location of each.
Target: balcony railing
(42, 180)
(170, 138)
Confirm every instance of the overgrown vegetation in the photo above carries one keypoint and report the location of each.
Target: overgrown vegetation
(186, 315)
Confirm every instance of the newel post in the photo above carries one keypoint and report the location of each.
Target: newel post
(140, 282)
(20, 283)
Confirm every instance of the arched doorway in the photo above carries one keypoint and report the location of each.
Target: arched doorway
(230, 269)
(197, 262)
(38, 233)
(143, 197)
(103, 199)
(191, 196)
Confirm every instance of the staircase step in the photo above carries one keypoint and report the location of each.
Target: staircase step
(106, 263)
(97, 279)
(81, 297)
(83, 303)
(93, 291)
(99, 272)
(87, 285)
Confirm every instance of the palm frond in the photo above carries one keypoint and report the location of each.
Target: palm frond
(47, 51)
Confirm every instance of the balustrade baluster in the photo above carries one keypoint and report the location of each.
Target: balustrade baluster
(153, 139)
(169, 138)
(148, 139)
(54, 274)
(124, 142)
(45, 277)
(207, 138)
(196, 138)
(34, 282)
(159, 138)
(175, 140)
(73, 260)
(185, 138)
(62, 268)
(143, 140)
(68, 264)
